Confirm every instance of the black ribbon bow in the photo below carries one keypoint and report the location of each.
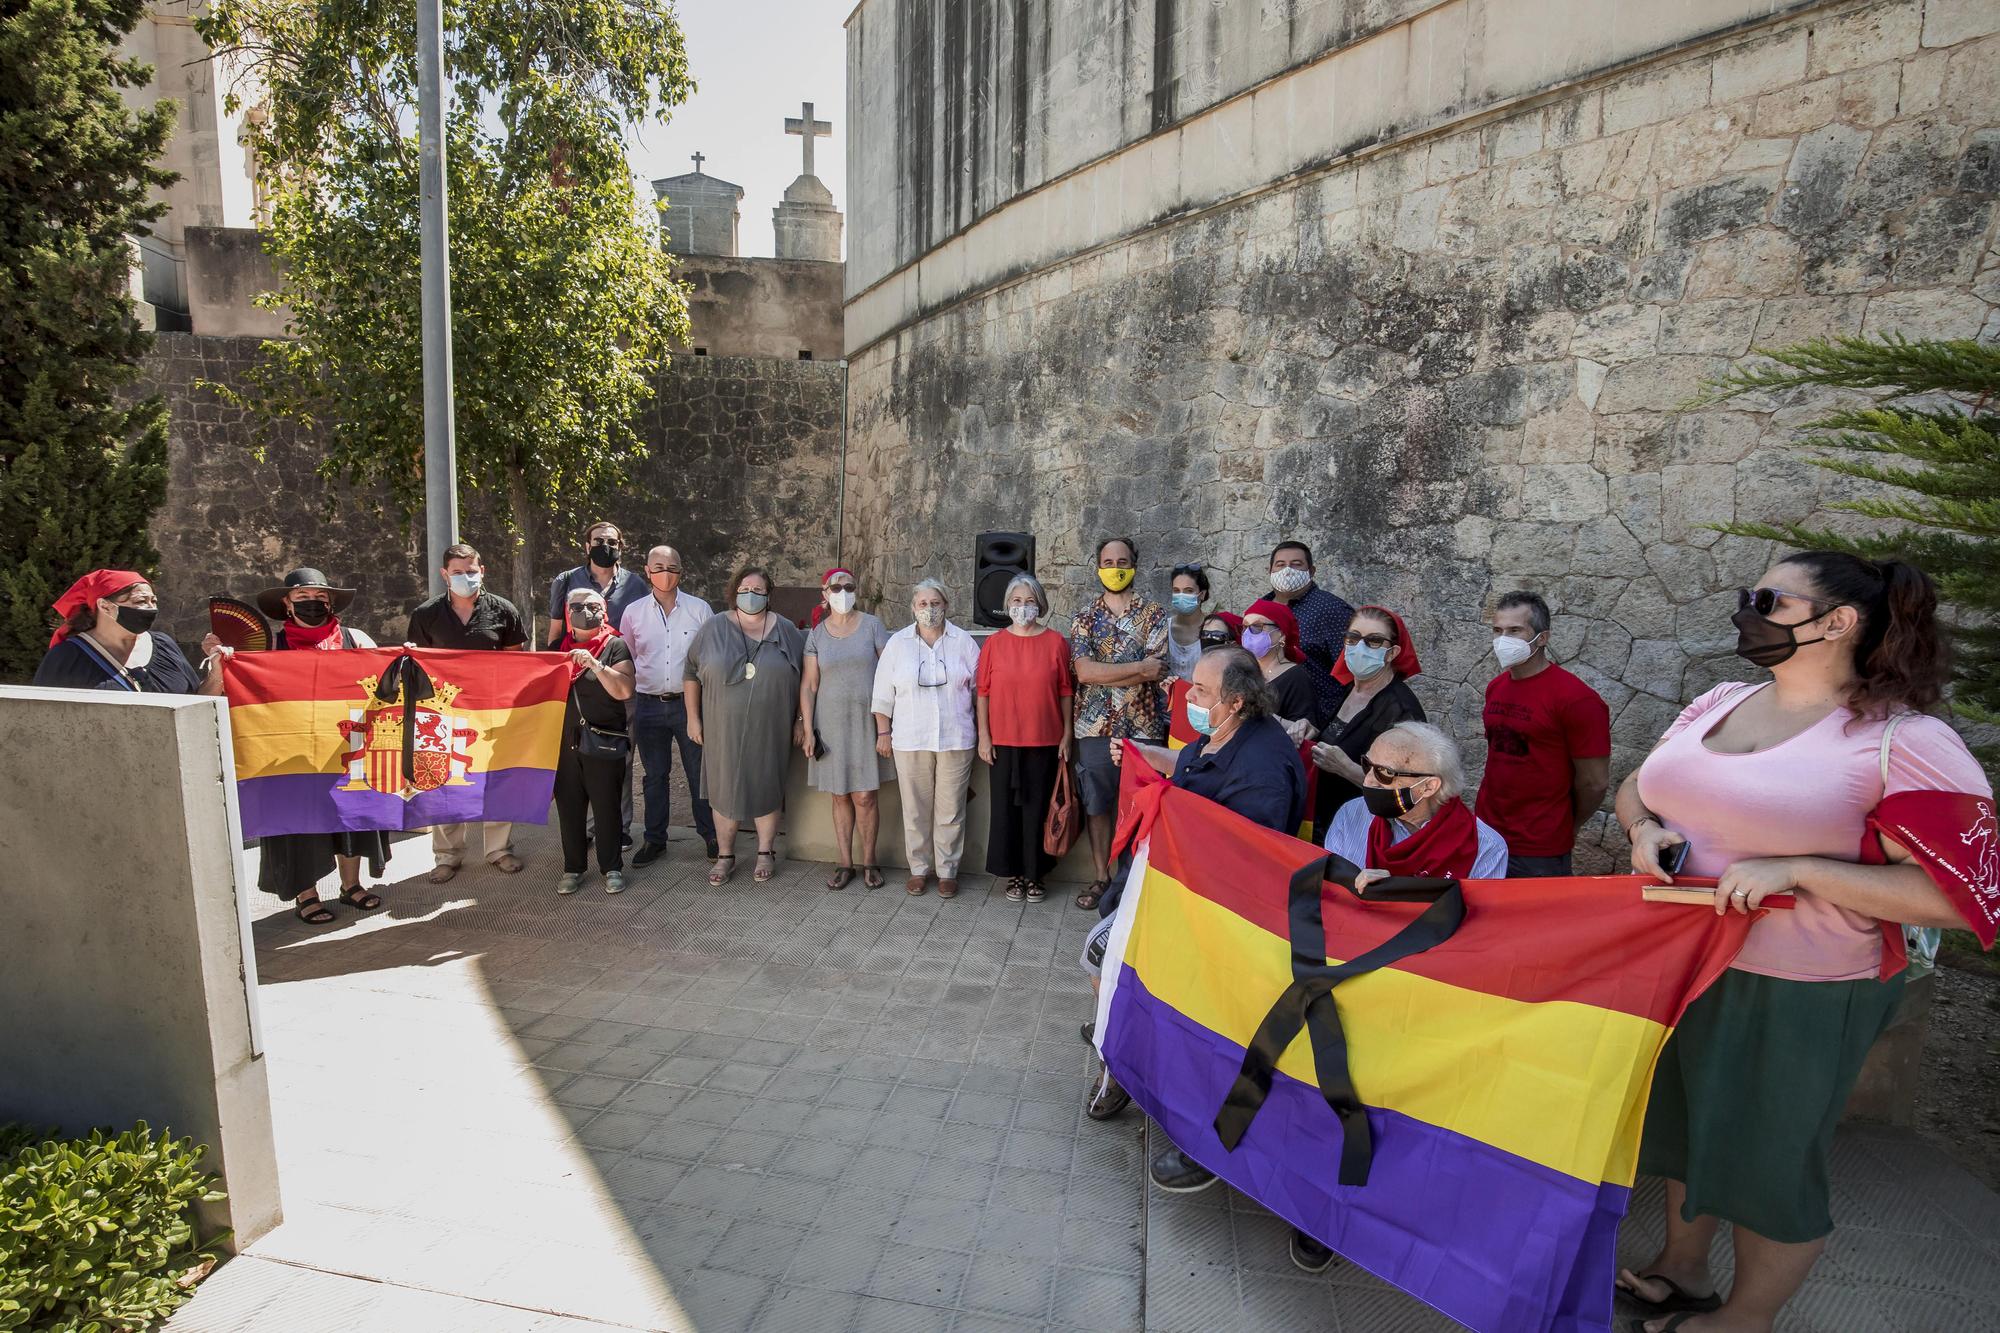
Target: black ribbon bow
(406, 682)
(1308, 1001)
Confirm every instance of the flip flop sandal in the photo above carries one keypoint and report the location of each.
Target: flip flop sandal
(763, 873)
(871, 877)
(840, 878)
(717, 876)
(1096, 889)
(1677, 1300)
(360, 899)
(1036, 892)
(1016, 891)
(1680, 1317)
(314, 913)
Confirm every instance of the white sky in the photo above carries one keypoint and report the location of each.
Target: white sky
(753, 62)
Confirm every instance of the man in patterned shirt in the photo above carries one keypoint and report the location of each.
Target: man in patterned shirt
(1119, 646)
(1322, 616)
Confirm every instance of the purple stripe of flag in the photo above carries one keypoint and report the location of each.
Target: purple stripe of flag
(312, 803)
(1491, 1239)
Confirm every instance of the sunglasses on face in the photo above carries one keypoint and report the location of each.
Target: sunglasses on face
(1765, 600)
(1386, 775)
(840, 587)
(1372, 640)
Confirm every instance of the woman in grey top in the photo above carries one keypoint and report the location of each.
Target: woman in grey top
(742, 697)
(841, 651)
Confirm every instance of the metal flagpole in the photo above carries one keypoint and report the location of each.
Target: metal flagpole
(440, 439)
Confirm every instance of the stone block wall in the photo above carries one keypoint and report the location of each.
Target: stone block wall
(744, 465)
(1458, 363)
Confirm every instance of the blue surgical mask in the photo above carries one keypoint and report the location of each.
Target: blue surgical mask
(1198, 719)
(466, 585)
(1185, 603)
(1364, 661)
(752, 603)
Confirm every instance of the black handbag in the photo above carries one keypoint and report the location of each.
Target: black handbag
(598, 742)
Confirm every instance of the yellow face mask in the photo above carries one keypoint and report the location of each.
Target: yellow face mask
(1117, 580)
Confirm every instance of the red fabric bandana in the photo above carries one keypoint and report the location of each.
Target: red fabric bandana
(325, 636)
(594, 645)
(1953, 836)
(85, 592)
(1445, 848)
(1280, 615)
(1404, 663)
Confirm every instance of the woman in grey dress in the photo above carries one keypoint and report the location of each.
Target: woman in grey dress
(837, 732)
(742, 697)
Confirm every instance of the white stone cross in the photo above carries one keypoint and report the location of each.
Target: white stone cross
(808, 129)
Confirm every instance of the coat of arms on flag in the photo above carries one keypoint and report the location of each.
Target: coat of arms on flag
(374, 733)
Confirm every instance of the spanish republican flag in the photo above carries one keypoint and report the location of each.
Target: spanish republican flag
(1445, 1082)
(383, 738)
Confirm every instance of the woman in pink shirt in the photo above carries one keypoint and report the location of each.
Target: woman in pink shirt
(1771, 787)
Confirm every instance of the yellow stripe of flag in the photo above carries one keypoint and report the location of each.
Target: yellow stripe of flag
(303, 736)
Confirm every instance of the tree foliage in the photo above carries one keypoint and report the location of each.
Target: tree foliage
(1932, 438)
(81, 468)
(563, 301)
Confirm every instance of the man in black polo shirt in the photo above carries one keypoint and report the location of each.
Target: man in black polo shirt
(465, 615)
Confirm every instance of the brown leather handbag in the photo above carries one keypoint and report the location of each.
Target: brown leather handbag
(1065, 816)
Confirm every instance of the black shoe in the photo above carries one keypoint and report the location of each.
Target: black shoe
(1309, 1254)
(648, 854)
(713, 848)
(1176, 1173)
(625, 842)
(1106, 1098)
(1090, 1033)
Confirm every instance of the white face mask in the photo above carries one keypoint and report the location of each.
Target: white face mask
(466, 585)
(1512, 651)
(1289, 579)
(1025, 615)
(930, 617)
(841, 602)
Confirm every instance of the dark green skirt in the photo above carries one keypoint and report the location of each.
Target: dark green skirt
(1749, 1091)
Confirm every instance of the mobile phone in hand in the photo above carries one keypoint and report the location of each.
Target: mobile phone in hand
(1674, 857)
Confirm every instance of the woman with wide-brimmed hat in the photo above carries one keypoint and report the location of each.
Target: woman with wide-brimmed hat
(307, 608)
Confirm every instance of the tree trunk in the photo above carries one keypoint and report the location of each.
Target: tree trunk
(527, 520)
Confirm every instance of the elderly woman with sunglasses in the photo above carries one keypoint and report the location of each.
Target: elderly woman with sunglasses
(1411, 818)
(836, 732)
(1831, 783)
(924, 720)
(1377, 659)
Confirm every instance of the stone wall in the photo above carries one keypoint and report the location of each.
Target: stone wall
(762, 307)
(1455, 363)
(745, 465)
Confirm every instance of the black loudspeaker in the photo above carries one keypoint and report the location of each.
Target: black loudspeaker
(996, 558)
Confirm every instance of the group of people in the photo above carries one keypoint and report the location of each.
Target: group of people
(1296, 714)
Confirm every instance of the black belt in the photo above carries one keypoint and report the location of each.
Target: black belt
(1308, 1002)
(668, 697)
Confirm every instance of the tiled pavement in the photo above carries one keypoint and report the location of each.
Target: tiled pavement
(771, 1107)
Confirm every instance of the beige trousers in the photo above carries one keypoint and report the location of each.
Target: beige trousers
(448, 842)
(933, 785)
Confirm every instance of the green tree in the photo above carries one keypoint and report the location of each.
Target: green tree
(1932, 438)
(564, 302)
(81, 468)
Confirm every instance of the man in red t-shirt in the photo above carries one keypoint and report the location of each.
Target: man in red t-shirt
(1548, 745)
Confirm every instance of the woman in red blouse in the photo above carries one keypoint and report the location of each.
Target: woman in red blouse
(1023, 691)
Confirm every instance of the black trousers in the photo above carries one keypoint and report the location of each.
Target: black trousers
(1024, 777)
(592, 785)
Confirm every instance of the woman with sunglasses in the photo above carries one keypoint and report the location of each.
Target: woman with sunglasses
(924, 721)
(742, 698)
(1828, 782)
(1411, 818)
(835, 729)
(1377, 659)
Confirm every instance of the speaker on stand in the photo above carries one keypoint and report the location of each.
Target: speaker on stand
(996, 558)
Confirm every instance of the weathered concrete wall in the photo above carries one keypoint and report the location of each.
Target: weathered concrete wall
(227, 270)
(1454, 363)
(763, 307)
(129, 993)
(744, 465)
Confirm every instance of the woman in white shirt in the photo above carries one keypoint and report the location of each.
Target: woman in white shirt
(924, 720)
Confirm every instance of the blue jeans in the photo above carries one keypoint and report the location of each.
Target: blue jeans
(658, 725)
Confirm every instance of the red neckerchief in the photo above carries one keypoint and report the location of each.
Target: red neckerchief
(594, 645)
(325, 636)
(1445, 848)
(1953, 836)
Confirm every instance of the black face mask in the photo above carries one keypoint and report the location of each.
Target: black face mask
(311, 614)
(1214, 640)
(1389, 802)
(604, 555)
(1766, 643)
(137, 619)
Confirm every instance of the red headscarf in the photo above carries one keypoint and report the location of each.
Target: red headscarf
(1280, 615)
(85, 592)
(819, 612)
(1404, 663)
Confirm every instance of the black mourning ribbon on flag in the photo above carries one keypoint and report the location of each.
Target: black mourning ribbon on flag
(1308, 1002)
(405, 681)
